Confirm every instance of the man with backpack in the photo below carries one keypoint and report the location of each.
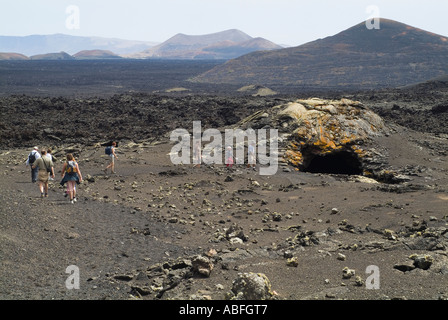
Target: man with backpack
(110, 151)
(45, 168)
(32, 157)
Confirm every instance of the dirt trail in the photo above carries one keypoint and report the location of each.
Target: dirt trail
(152, 212)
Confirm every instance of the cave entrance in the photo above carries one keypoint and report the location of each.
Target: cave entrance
(341, 162)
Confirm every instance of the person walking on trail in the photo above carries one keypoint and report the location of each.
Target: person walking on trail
(71, 175)
(252, 159)
(229, 157)
(110, 151)
(45, 168)
(197, 154)
(33, 156)
(50, 157)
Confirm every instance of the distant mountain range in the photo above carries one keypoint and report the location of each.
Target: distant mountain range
(394, 55)
(82, 55)
(43, 44)
(227, 44)
(222, 45)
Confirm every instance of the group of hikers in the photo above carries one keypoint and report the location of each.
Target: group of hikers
(42, 170)
(42, 167)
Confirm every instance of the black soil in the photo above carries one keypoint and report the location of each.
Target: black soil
(128, 231)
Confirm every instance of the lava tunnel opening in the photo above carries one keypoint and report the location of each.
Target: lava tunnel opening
(342, 162)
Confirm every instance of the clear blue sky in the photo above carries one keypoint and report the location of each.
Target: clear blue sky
(291, 22)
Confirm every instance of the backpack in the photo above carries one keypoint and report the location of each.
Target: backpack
(108, 150)
(32, 157)
(70, 168)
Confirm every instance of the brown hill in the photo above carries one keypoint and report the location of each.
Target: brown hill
(394, 55)
(53, 56)
(96, 54)
(12, 56)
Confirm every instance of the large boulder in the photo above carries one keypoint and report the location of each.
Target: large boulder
(251, 286)
(328, 136)
(202, 265)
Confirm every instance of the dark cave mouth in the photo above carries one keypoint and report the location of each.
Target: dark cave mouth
(340, 162)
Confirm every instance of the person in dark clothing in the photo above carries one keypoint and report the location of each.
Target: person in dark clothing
(33, 156)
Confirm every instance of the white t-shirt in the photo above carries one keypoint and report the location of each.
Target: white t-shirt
(36, 155)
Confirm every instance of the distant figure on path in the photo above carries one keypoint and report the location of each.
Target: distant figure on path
(197, 154)
(229, 157)
(112, 156)
(50, 155)
(33, 156)
(252, 159)
(71, 175)
(45, 169)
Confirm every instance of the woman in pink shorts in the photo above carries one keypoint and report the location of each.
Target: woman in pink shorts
(72, 176)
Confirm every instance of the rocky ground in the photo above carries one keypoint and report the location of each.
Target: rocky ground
(158, 231)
